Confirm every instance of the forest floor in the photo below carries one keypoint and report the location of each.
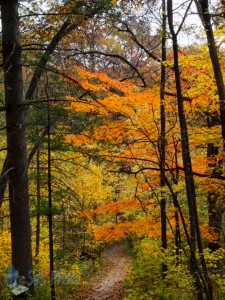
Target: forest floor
(107, 284)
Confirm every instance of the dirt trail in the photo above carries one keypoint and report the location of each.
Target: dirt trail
(108, 285)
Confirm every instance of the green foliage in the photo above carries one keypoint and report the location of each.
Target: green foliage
(41, 292)
(45, 211)
(90, 8)
(145, 278)
(5, 293)
(63, 286)
(216, 266)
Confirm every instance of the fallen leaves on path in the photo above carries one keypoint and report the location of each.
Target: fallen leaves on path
(108, 285)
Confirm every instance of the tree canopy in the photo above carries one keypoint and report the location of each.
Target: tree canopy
(112, 130)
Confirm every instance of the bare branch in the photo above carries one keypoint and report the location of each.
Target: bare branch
(116, 56)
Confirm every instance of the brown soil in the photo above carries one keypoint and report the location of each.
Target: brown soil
(108, 284)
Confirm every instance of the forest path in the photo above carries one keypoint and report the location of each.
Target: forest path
(108, 283)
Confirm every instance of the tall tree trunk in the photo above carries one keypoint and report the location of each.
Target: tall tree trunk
(162, 141)
(63, 31)
(68, 26)
(177, 219)
(38, 217)
(16, 140)
(177, 233)
(50, 217)
(214, 208)
(189, 179)
(215, 214)
(203, 9)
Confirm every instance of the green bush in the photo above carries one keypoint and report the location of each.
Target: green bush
(145, 278)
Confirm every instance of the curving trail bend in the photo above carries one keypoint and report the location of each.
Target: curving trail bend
(108, 285)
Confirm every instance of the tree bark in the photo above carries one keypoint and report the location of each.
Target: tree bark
(203, 10)
(162, 141)
(215, 213)
(214, 209)
(38, 218)
(16, 140)
(63, 31)
(50, 216)
(195, 234)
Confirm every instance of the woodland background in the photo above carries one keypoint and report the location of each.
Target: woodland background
(113, 129)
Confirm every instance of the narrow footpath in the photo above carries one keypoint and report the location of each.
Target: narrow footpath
(108, 284)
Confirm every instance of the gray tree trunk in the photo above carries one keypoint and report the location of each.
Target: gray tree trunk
(162, 142)
(16, 140)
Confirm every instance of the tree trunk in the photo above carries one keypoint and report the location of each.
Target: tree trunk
(175, 201)
(162, 141)
(203, 9)
(38, 217)
(67, 27)
(214, 208)
(215, 213)
(63, 31)
(195, 234)
(50, 217)
(16, 140)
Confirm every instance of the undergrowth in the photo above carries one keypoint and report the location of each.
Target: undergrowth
(144, 281)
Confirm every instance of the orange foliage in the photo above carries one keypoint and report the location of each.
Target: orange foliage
(112, 208)
(131, 125)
